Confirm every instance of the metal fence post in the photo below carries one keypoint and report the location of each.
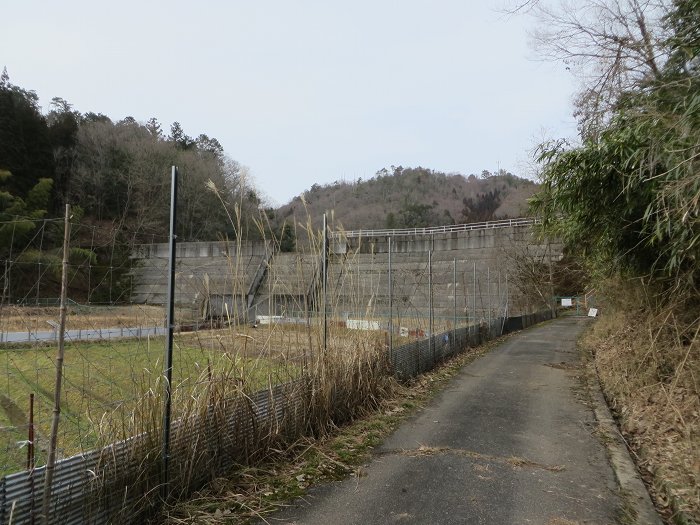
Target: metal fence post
(454, 302)
(498, 291)
(488, 292)
(168, 372)
(505, 314)
(431, 345)
(391, 310)
(474, 300)
(324, 275)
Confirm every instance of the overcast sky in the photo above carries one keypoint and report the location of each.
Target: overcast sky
(303, 92)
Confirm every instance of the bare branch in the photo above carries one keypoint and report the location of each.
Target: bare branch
(611, 46)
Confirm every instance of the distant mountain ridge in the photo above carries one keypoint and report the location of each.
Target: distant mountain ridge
(411, 198)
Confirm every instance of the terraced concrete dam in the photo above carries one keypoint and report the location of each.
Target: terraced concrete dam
(469, 268)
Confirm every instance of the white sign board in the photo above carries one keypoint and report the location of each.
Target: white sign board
(268, 319)
(592, 312)
(566, 301)
(361, 324)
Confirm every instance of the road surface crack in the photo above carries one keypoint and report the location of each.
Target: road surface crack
(512, 461)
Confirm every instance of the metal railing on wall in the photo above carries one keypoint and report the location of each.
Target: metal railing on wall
(505, 223)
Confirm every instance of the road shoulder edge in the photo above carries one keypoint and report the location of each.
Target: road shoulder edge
(637, 498)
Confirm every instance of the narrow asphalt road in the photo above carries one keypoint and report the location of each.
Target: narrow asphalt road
(509, 441)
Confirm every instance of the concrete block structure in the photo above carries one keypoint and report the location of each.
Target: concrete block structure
(208, 275)
(467, 276)
(289, 285)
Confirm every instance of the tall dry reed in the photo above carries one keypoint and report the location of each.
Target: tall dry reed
(258, 391)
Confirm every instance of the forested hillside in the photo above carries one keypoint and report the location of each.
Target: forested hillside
(112, 173)
(413, 198)
(116, 177)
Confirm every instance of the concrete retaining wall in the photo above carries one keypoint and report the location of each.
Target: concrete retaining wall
(358, 283)
(202, 269)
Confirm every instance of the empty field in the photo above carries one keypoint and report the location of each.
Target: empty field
(111, 388)
(24, 318)
(109, 384)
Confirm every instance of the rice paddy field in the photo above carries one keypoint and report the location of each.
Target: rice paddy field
(107, 384)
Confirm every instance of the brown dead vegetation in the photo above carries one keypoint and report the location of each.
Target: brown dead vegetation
(648, 361)
(24, 318)
(251, 492)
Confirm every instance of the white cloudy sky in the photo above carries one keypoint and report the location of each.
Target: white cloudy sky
(303, 91)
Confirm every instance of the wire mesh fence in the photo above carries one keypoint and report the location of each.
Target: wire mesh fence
(264, 352)
(111, 485)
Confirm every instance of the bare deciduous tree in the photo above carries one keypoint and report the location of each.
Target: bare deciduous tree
(609, 45)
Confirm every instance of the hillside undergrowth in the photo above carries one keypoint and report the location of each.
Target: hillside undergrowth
(648, 362)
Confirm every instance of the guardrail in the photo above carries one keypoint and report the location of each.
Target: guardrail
(505, 223)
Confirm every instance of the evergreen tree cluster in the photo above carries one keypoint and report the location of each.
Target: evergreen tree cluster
(116, 172)
(116, 177)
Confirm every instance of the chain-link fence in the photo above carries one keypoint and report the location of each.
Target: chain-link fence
(112, 485)
(266, 350)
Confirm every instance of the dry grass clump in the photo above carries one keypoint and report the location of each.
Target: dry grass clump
(220, 424)
(648, 360)
(36, 318)
(344, 382)
(250, 492)
(224, 419)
